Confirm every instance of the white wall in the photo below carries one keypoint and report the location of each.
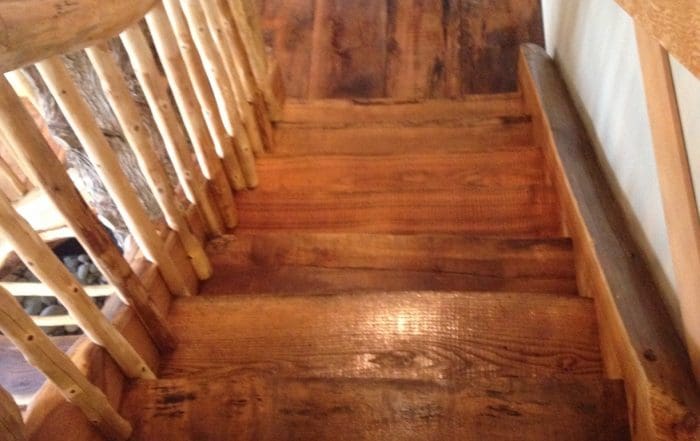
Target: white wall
(593, 42)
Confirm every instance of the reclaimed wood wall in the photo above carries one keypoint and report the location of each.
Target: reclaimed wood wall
(402, 49)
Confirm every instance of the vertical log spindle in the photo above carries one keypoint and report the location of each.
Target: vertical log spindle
(38, 160)
(78, 114)
(41, 353)
(117, 92)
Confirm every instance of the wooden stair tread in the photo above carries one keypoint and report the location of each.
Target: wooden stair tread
(498, 192)
(250, 262)
(17, 376)
(247, 407)
(407, 335)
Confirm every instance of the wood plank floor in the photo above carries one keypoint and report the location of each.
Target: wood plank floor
(245, 407)
(402, 49)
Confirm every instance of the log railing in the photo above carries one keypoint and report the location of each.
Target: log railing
(215, 66)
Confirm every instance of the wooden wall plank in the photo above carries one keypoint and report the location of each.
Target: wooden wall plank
(416, 49)
(491, 33)
(400, 49)
(348, 54)
(288, 26)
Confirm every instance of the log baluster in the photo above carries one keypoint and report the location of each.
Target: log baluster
(117, 92)
(242, 63)
(48, 268)
(156, 90)
(41, 353)
(78, 115)
(247, 22)
(215, 18)
(37, 158)
(211, 152)
(218, 80)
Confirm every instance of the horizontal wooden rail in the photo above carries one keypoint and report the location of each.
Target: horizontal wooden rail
(32, 150)
(41, 353)
(49, 321)
(78, 115)
(32, 30)
(675, 24)
(36, 289)
(11, 423)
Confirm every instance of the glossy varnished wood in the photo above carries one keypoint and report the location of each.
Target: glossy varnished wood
(245, 407)
(406, 335)
(315, 262)
(397, 169)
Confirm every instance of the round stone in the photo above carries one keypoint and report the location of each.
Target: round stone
(48, 300)
(53, 310)
(84, 258)
(32, 305)
(82, 272)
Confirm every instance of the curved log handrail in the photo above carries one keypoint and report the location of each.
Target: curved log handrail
(32, 30)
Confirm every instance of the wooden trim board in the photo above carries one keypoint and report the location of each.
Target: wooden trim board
(639, 341)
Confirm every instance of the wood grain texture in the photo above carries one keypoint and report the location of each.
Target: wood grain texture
(676, 185)
(263, 408)
(675, 24)
(491, 33)
(314, 263)
(404, 49)
(32, 31)
(408, 335)
(649, 353)
(348, 54)
(491, 192)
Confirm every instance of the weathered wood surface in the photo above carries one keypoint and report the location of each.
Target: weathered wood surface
(37, 29)
(647, 351)
(245, 407)
(397, 48)
(675, 24)
(314, 262)
(405, 335)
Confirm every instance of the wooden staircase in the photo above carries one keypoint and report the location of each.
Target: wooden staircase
(401, 273)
